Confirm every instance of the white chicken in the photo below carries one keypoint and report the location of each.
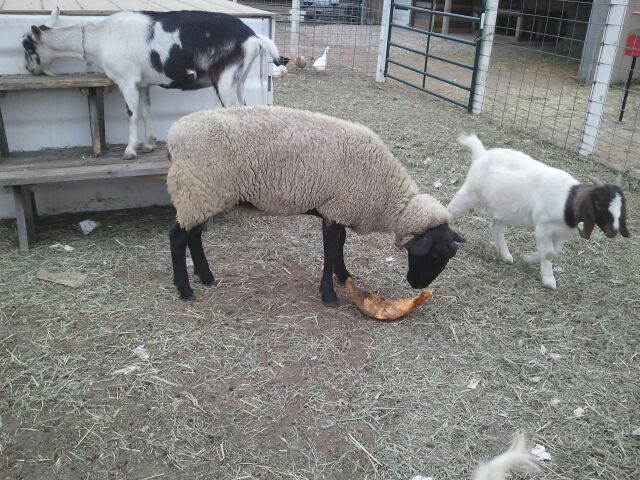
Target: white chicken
(279, 71)
(320, 65)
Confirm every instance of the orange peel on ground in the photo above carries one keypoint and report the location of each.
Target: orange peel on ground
(380, 308)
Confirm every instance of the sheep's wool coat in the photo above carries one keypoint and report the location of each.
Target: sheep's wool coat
(285, 162)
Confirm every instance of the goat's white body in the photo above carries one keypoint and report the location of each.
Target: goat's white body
(517, 190)
(121, 45)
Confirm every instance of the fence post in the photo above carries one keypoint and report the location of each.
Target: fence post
(602, 76)
(487, 30)
(295, 26)
(384, 39)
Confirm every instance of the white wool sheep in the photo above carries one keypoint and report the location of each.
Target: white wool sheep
(286, 162)
(517, 190)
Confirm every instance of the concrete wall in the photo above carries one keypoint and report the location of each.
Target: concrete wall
(60, 118)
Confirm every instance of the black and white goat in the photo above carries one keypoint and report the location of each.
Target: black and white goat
(186, 50)
(519, 191)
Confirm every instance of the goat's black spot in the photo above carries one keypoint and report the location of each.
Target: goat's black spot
(44, 27)
(129, 112)
(152, 31)
(216, 37)
(29, 44)
(156, 63)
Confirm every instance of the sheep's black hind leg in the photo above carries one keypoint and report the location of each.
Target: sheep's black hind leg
(331, 247)
(179, 239)
(338, 267)
(200, 264)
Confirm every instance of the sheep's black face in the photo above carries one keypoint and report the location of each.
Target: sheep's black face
(429, 254)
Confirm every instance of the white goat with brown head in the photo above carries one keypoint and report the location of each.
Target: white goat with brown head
(517, 190)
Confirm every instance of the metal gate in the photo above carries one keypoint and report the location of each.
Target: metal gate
(429, 16)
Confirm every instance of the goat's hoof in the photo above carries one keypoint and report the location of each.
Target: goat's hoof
(549, 283)
(186, 293)
(206, 278)
(330, 303)
(148, 147)
(508, 259)
(129, 155)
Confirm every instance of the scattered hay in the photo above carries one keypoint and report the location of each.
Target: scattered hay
(255, 379)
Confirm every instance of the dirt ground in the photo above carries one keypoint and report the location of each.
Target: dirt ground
(255, 379)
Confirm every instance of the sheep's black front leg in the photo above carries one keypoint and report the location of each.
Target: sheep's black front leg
(339, 268)
(331, 247)
(200, 264)
(179, 239)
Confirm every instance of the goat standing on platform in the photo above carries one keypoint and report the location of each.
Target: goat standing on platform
(187, 50)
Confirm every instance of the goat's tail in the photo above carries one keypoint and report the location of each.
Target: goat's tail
(270, 47)
(516, 458)
(473, 143)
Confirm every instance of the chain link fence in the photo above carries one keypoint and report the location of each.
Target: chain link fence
(350, 28)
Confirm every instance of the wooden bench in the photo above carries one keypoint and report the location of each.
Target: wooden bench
(21, 171)
(91, 84)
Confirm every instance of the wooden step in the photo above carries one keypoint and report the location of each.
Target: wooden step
(75, 164)
(67, 80)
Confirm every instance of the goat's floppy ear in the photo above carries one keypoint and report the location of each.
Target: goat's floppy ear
(53, 18)
(623, 224)
(36, 32)
(586, 214)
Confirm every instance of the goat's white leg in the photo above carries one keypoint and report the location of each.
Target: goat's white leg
(132, 99)
(497, 232)
(546, 252)
(145, 104)
(227, 86)
(462, 201)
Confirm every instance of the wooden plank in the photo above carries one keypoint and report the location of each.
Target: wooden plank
(24, 219)
(73, 157)
(85, 172)
(39, 82)
(27, 5)
(94, 122)
(4, 145)
(138, 5)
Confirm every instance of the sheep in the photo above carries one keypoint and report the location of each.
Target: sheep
(519, 191)
(283, 161)
(187, 50)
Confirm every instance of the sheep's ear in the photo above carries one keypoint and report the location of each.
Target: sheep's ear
(619, 181)
(586, 214)
(53, 18)
(403, 241)
(421, 245)
(36, 32)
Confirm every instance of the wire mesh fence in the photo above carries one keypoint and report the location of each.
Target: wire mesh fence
(559, 71)
(350, 28)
